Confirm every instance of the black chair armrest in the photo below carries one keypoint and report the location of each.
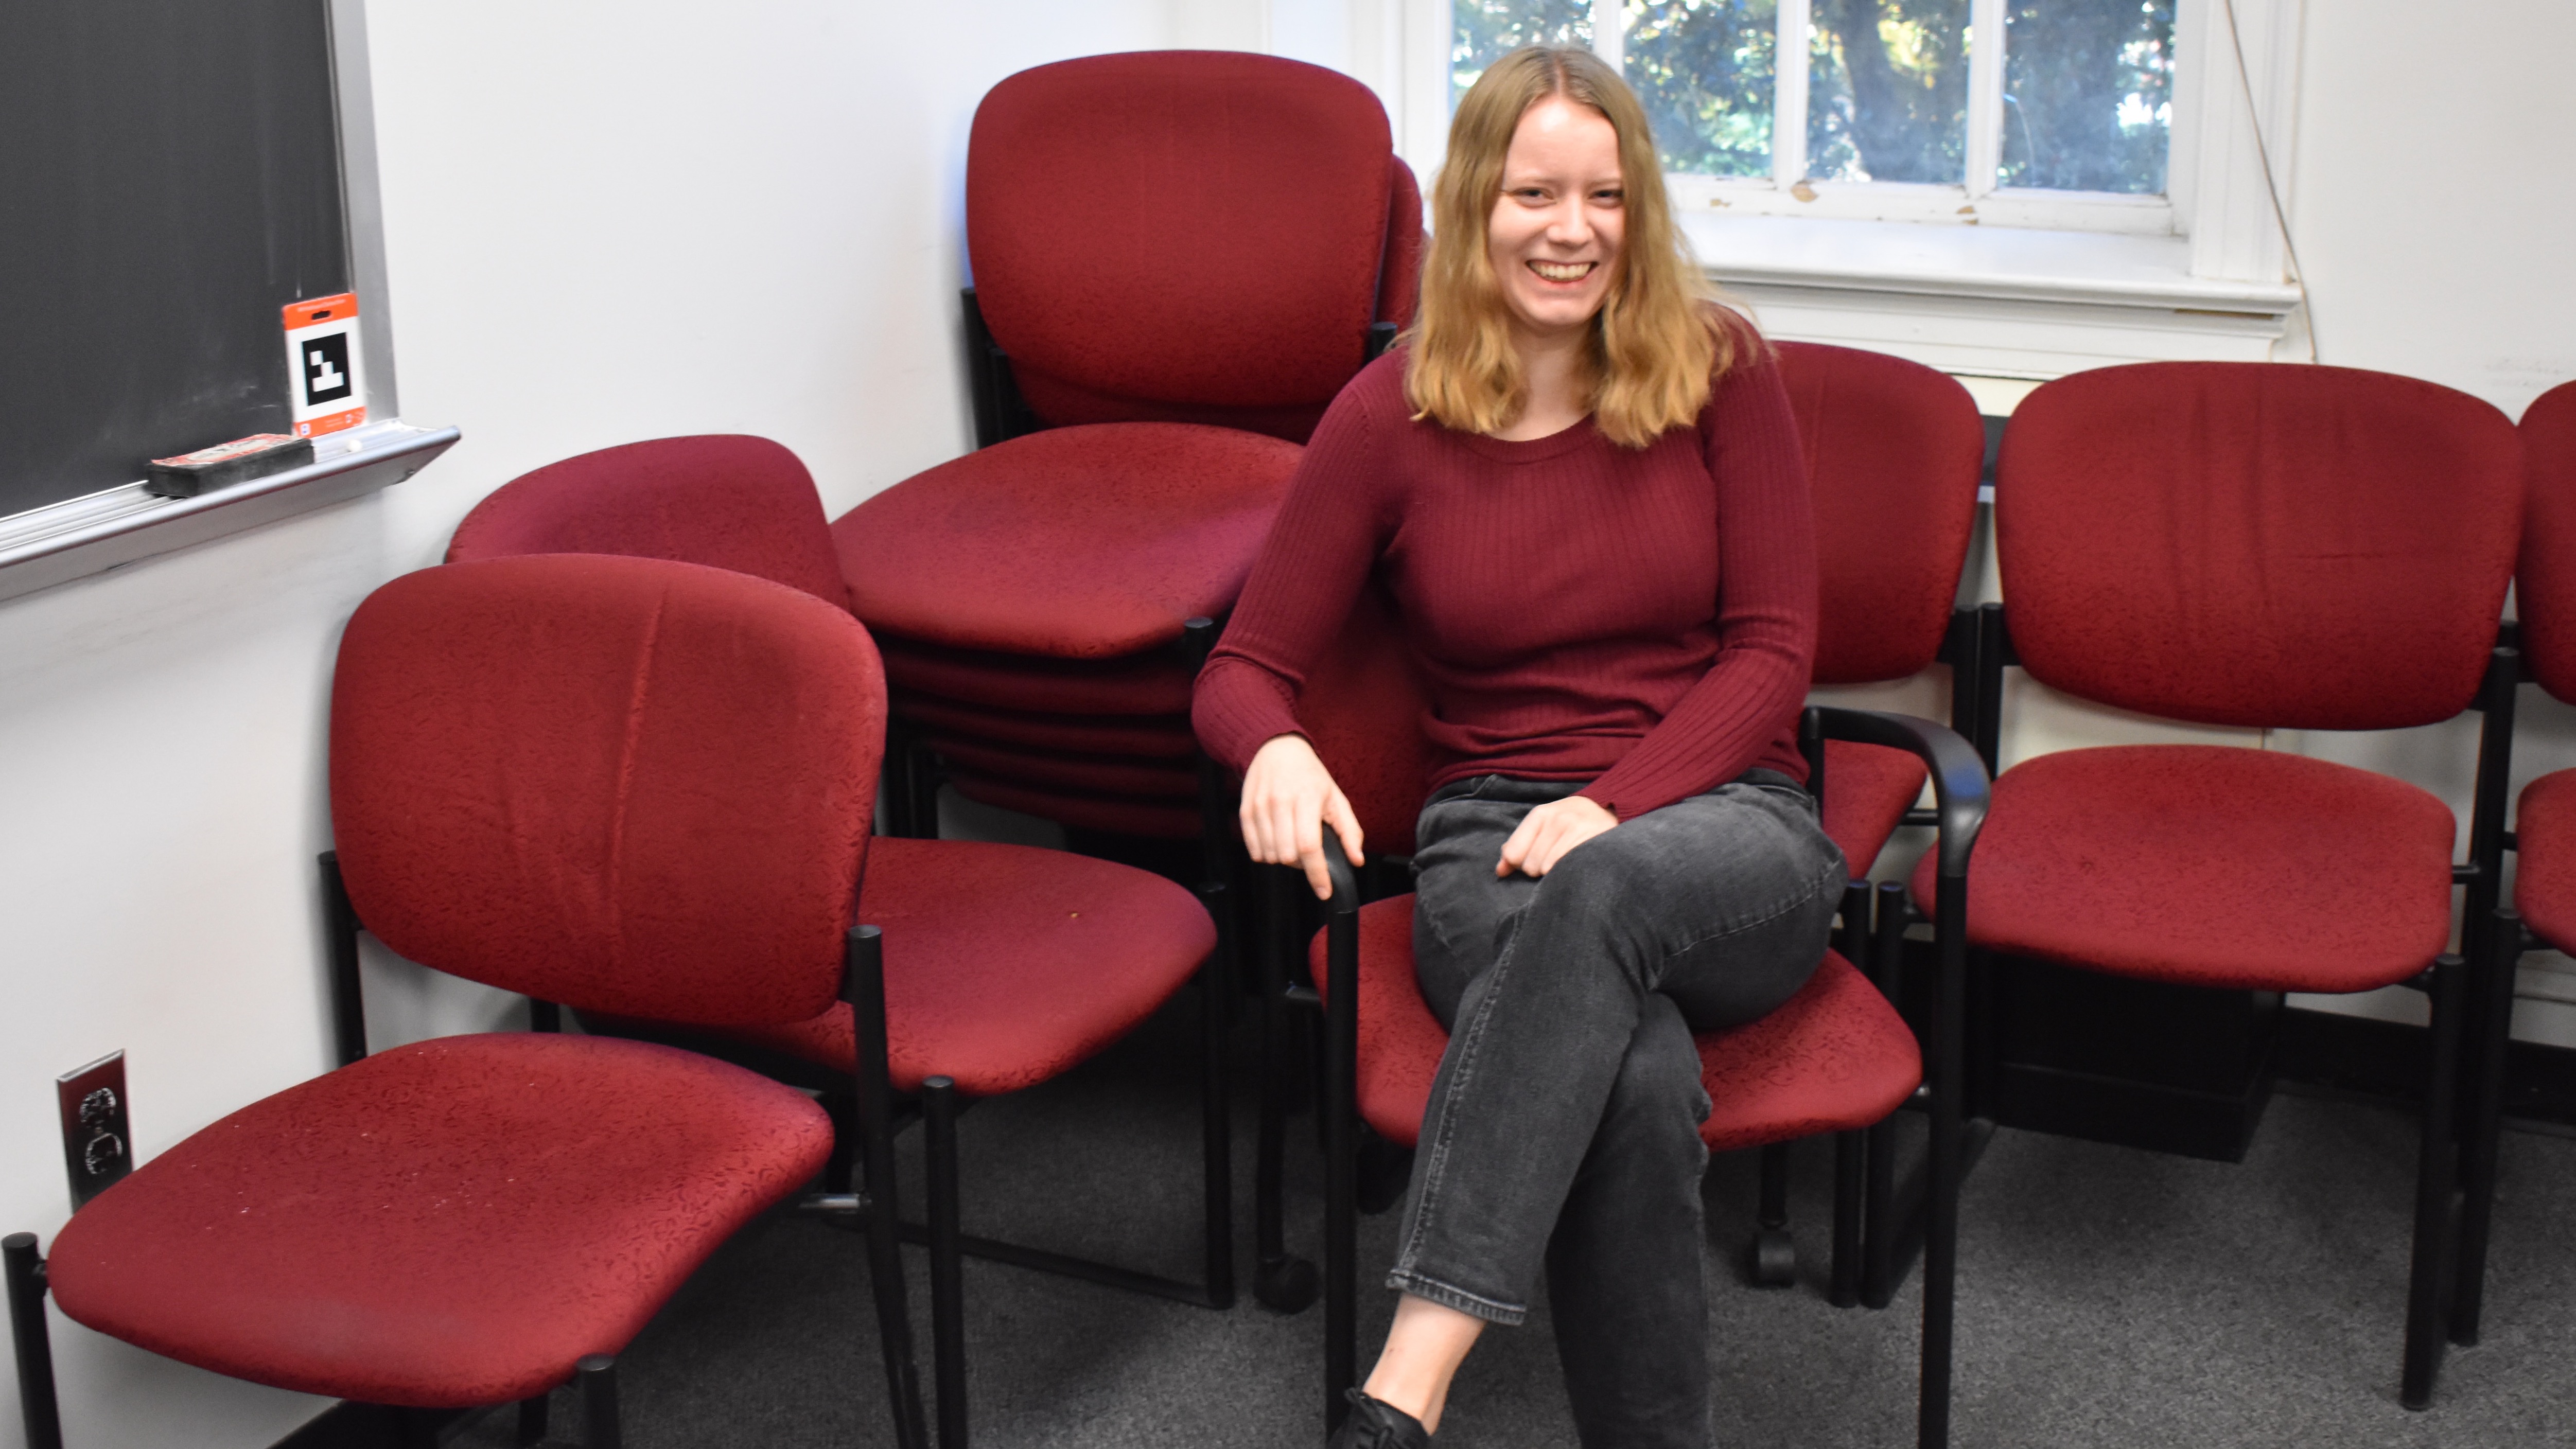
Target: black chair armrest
(1960, 788)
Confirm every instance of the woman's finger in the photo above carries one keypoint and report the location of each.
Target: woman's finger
(1346, 824)
(1516, 849)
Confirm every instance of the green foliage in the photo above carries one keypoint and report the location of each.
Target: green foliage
(2087, 87)
(1704, 70)
(1487, 30)
(1887, 88)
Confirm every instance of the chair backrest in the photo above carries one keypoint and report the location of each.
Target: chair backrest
(627, 785)
(2258, 543)
(1187, 236)
(2545, 593)
(1893, 452)
(723, 500)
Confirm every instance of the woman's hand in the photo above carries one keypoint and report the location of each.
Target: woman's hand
(1288, 799)
(1548, 832)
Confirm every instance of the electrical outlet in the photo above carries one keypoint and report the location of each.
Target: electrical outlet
(98, 1142)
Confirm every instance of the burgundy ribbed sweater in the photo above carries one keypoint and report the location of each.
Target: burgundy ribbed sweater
(1644, 619)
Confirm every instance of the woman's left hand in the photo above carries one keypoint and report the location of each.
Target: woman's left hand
(1549, 831)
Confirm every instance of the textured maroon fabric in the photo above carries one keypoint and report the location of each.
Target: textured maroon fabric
(2212, 866)
(1399, 278)
(1004, 965)
(1148, 737)
(1155, 682)
(627, 785)
(2544, 882)
(1893, 450)
(447, 1224)
(1190, 228)
(1832, 1057)
(1155, 820)
(2545, 592)
(2258, 544)
(1639, 619)
(1362, 708)
(1049, 769)
(1076, 543)
(1868, 789)
(727, 501)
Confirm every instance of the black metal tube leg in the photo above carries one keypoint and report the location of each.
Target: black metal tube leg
(872, 1106)
(1216, 1125)
(532, 1422)
(2436, 1180)
(947, 1261)
(1341, 1165)
(600, 1428)
(28, 1334)
(1945, 1073)
(2493, 1024)
(1880, 1229)
(1851, 1162)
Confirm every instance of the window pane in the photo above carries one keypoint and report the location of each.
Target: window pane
(1888, 90)
(1488, 30)
(1704, 70)
(2088, 94)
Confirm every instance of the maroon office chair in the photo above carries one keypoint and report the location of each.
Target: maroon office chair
(1004, 966)
(1835, 1058)
(2252, 544)
(630, 786)
(2543, 837)
(1179, 259)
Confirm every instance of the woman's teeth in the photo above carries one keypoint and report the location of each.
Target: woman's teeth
(1562, 271)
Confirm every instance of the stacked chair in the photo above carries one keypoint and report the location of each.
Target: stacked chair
(1179, 259)
(1004, 966)
(627, 785)
(1894, 453)
(2543, 839)
(2254, 545)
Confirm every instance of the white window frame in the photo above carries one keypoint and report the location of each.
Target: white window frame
(2216, 193)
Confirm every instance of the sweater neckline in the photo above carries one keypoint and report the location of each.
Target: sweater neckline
(1533, 450)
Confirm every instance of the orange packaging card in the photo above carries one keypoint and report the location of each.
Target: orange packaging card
(327, 380)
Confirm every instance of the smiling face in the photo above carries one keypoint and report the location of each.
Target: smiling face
(1557, 221)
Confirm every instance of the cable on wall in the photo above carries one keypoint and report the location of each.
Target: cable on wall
(2271, 188)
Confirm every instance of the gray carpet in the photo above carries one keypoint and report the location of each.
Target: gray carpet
(2108, 1297)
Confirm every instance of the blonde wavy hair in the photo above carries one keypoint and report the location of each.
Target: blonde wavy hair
(1658, 342)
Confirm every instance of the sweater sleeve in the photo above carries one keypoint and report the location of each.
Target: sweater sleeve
(1329, 534)
(1766, 604)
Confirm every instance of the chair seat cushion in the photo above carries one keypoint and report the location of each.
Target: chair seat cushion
(1156, 682)
(1832, 1057)
(1006, 965)
(2544, 883)
(2212, 866)
(1154, 737)
(1074, 543)
(448, 1224)
(1868, 789)
(1118, 815)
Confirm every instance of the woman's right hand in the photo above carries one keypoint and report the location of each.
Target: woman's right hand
(1288, 799)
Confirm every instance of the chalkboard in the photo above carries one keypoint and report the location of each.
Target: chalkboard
(169, 180)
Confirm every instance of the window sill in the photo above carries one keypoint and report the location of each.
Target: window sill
(2007, 302)
(46, 546)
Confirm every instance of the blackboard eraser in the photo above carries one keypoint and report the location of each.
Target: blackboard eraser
(225, 464)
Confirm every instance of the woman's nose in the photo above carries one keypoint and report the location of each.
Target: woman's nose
(1567, 225)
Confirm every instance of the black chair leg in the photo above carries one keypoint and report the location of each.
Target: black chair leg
(33, 1341)
(2493, 1026)
(871, 1105)
(1775, 1255)
(2436, 1185)
(1340, 1111)
(1881, 1230)
(1851, 1163)
(600, 1427)
(532, 1422)
(947, 1261)
(418, 1428)
(1283, 1284)
(1216, 986)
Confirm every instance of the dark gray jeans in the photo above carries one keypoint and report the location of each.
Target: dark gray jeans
(1563, 1129)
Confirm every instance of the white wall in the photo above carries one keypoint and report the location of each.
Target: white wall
(609, 222)
(605, 222)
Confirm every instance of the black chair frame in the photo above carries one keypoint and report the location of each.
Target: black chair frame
(862, 1116)
(2470, 997)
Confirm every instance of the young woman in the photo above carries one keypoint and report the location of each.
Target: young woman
(1579, 480)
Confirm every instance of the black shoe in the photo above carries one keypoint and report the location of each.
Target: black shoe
(1372, 1425)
